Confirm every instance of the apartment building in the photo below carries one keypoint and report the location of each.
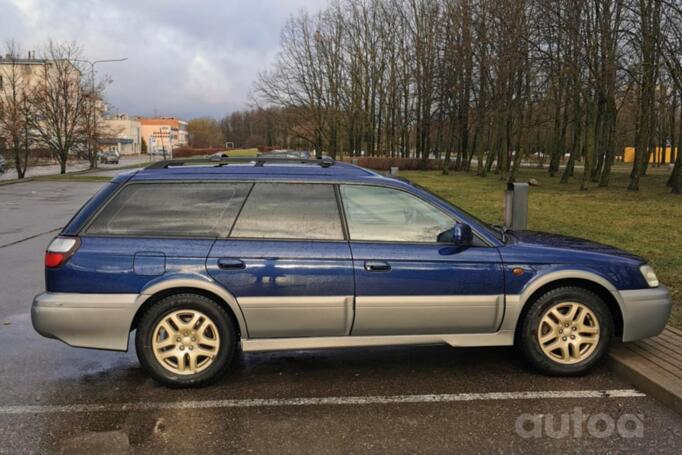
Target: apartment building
(163, 133)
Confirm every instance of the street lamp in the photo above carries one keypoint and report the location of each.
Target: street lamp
(92, 96)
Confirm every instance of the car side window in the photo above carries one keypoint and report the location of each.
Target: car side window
(385, 214)
(172, 209)
(290, 211)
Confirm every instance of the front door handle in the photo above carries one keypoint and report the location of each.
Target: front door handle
(377, 266)
(230, 263)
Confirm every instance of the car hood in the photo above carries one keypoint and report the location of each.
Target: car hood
(562, 242)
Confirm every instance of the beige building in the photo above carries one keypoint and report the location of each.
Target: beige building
(19, 76)
(122, 134)
(27, 72)
(24, 70)
(163, 134)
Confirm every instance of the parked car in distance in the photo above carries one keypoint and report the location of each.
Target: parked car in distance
(288, 154)
(267, 255)
(160, 152)
(218, 156)
(2, 164)
(109, 157)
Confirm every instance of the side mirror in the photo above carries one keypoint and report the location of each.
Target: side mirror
(460, 235)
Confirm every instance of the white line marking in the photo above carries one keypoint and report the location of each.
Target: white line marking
(320, 401)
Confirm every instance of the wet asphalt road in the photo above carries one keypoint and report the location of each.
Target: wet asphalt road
(49, 391)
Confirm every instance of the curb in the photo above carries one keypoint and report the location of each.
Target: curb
(15, 181)
(38, 177)
(653, 365)
(48, 176)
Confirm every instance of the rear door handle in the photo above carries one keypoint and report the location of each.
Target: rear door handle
(377, 266)
(230, 263)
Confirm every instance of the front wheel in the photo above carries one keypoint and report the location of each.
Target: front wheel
(185, 340)
(566, 331)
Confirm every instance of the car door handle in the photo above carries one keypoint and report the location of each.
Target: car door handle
(230, 263)
(377, 266)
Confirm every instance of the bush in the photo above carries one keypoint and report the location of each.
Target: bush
(185, 152)
(385, 163)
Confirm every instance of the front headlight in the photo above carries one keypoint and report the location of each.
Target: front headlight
(649, 275)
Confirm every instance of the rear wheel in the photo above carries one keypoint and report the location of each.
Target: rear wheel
(566, 331)
(185, 340)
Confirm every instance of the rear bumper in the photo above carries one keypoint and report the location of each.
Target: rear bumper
(100, 321)
(645, 312)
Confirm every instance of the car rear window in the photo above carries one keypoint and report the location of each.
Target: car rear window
(172, 209)
(290, 211)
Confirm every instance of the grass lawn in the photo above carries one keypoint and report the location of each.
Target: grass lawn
(243, 153)
(648, 222)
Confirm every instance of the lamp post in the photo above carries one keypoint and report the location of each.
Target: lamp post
(93, 139)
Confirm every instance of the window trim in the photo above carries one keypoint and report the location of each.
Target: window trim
(239, 212)
(334, 182)
(339, 212)
(486, 243)
(82, 232)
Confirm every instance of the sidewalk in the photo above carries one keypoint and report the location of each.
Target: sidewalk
(653, 365)
(73, 167)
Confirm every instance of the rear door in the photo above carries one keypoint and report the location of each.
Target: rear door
(287, 262)
(408, 283)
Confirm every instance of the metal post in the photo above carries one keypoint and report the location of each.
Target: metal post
(92, 64)
(516, 206)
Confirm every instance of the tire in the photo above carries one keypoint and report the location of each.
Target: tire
(195, 356)
(548, 316)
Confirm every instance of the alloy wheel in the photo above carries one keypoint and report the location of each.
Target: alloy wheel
(568, 332)
(185, 342)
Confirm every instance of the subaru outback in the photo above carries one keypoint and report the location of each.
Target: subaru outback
(201, 259)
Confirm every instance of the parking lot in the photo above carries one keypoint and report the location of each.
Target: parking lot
(411, 399)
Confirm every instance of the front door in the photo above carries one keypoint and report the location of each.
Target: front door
(287, 263)
(406, 282)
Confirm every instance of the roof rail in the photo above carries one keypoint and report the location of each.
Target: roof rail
(257, 162)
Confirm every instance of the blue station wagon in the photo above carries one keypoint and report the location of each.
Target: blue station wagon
(201, 258)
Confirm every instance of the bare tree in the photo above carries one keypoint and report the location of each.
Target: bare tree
(16, 112)
(205, 132)
(60, 102)
(648, 13)
(498, 81)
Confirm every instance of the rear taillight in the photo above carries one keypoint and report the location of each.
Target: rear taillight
(60, 250)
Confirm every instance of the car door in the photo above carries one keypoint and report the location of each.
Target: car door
(287, 262)
(407, 282)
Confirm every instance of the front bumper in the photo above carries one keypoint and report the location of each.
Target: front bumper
(100, 321)
(645, 312)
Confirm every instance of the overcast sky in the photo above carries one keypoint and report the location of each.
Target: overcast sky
(185, 58)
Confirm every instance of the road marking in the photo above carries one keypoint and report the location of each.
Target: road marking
(30, 237)
(319, 401)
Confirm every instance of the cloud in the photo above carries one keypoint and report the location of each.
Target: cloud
(185, 58)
